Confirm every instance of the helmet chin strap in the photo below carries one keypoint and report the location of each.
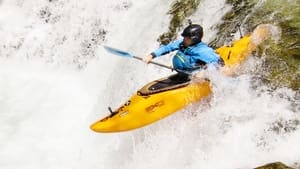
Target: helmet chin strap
(194, 43)
(183, 47)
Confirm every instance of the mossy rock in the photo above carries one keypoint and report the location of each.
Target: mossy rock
(276, 165)
(282, 58)
(179, 11)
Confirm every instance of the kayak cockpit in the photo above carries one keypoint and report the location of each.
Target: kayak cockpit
(168, 83)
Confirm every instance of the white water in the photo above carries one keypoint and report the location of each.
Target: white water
(47, 105)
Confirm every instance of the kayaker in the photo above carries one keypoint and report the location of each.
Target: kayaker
(192, 55)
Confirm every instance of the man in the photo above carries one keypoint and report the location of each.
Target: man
(192, 54)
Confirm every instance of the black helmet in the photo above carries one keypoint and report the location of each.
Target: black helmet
(194, 31)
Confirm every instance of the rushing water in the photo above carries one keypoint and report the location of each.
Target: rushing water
(55, 80)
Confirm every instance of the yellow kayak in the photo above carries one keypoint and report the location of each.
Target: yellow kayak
(165, 96)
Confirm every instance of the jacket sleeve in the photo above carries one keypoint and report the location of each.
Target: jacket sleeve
(167, 48)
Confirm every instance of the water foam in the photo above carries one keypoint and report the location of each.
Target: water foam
(45, 109)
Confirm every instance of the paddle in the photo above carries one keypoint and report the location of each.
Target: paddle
(126, 54)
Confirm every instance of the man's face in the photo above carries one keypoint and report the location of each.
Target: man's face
(187, 41)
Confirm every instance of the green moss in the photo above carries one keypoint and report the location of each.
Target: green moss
(179, 11)
(276, 165)
(232, 21)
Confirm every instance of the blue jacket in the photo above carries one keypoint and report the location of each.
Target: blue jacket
(190, 57)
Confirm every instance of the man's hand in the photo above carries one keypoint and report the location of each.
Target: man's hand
(147, 58)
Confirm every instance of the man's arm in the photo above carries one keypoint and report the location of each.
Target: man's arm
(163, 50)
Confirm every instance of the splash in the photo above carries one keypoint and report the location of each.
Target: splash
(263, 32)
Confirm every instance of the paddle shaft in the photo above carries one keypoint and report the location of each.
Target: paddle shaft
(155, 63)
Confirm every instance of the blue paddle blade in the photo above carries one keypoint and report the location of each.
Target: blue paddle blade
(126, 54)
(117, 51)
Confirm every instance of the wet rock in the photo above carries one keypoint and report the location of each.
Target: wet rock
(281, 58)
(275, 165)
(179, 11)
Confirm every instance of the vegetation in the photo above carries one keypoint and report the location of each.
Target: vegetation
(276, 165)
